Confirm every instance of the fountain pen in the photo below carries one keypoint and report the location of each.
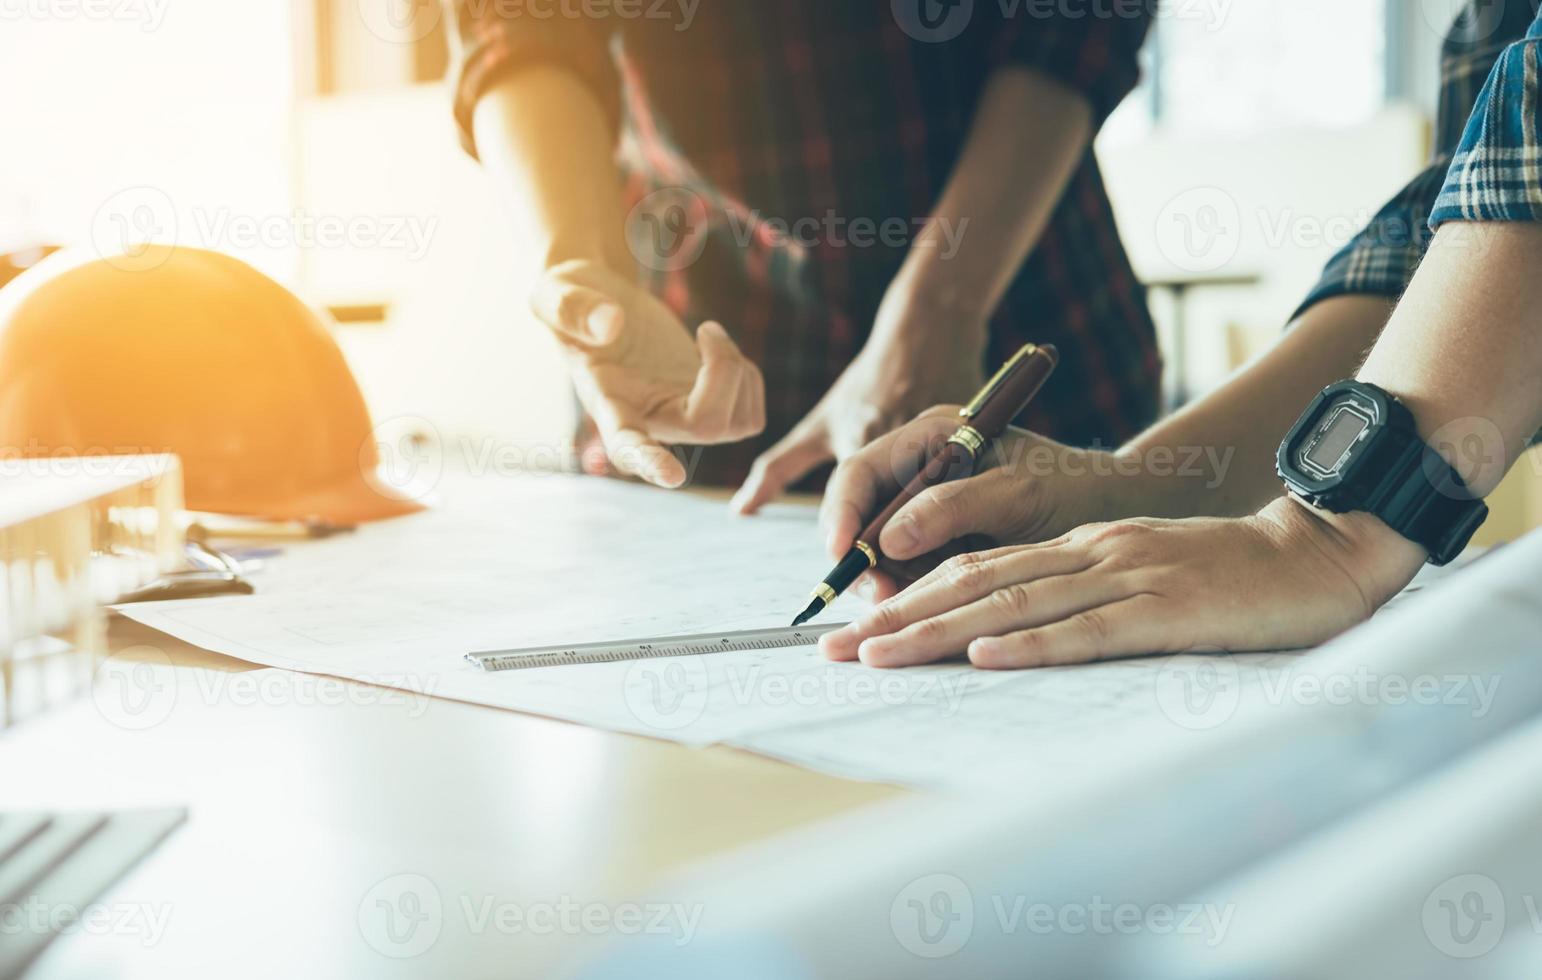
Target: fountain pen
(981, 421)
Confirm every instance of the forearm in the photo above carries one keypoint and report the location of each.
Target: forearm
(1229, 438)
(546, 142)
(1464, 349)
(1028, 136)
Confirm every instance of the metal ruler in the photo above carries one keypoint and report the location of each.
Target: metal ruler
(664, 646)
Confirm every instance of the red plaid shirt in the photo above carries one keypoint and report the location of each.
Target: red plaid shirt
(844, 115)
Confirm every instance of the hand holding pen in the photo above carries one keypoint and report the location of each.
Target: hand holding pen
(983, 420)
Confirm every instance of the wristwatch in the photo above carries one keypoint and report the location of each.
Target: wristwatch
(1357, 448)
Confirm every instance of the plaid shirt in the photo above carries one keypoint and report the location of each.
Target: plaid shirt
(766, 114)
(1485, 162)
(1494, 175)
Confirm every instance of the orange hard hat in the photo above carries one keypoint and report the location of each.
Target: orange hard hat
(182, 350)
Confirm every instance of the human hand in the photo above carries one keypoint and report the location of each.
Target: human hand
(1286, 577)
(909, 363)
(641, 376)
(1028, 489)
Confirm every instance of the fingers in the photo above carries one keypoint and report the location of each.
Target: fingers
(637, 455)
(629, 448)
(877, 472)
(728, 401)
(979, 505)
(967, 597)
(1131, 627)
(878, 586)
(781, 466)
(749, 415)
(851, 494)
(578, 314)
(1027, 604)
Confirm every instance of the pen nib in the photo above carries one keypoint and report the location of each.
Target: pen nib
(814, 609)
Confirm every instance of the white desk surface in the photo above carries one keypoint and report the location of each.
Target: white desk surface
(305, 793)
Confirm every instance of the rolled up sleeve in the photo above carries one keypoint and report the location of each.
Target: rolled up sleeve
(1381, 260)
(1496, 172)
(495, 43)
(1094, 50)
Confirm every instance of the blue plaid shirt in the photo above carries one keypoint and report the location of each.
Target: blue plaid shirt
(1487, 163)
(1494, 175)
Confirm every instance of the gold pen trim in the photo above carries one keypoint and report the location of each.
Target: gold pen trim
(970, 438)
(824, 592)
(867, 549)
(978, 402)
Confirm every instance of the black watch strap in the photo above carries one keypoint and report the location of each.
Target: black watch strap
(1427, 502)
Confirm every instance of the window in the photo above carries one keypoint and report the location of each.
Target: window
(1217, 69)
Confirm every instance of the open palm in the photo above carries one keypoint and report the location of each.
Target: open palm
(642, 377)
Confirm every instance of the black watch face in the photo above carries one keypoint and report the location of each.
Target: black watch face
(1356, 447)
(1328, 448)
(1320, 457)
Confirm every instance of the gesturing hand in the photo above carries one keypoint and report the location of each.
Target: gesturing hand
(1287, 577)
(640, 375)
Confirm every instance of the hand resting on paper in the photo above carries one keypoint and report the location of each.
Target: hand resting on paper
(1286, 577)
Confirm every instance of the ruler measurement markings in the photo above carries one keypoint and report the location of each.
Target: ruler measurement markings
(655, 647)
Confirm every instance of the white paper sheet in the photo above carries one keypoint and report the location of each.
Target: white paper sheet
(516, 562)
(1302, 841)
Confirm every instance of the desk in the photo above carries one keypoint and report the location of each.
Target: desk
(305, 793)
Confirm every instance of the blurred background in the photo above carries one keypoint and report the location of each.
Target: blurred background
(313, 138)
